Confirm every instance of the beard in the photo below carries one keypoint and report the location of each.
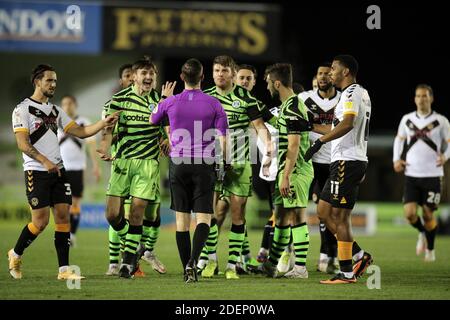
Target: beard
(48, 94)
(275, 94)
(224, 85)
(325, 87)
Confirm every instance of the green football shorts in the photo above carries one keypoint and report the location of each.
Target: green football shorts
(237, 181)
(299, 191)
(137, 178)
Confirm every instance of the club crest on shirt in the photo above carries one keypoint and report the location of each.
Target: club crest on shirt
(152, 107)
(34, 201)
(236, 104)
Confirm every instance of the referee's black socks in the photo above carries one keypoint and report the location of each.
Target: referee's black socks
(200, 235)
(184, 246)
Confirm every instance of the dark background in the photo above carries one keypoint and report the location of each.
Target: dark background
(410, 48)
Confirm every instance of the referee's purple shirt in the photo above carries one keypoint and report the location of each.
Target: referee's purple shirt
(191, 114)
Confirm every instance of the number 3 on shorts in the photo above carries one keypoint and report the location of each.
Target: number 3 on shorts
(68, 190)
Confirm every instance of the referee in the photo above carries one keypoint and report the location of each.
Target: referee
(195, 119)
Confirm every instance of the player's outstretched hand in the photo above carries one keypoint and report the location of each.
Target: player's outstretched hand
(112, 119)
(167, 88)
(313, 149)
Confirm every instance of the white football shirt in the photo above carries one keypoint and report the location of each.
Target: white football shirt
(425, 138)
(352, 146)
(323, 110)
(41, 121)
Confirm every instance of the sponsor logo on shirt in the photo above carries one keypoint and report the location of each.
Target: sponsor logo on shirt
(136, 118)
(48, 121)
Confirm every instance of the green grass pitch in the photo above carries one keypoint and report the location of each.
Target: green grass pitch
(403, 274)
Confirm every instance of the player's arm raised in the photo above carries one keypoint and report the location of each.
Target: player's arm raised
(88, 131)
(340, 130)
(321, 128)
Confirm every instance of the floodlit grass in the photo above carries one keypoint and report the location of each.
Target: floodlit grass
(403, 274)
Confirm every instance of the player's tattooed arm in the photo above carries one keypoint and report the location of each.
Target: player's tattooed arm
(31, 151)
(24, 144)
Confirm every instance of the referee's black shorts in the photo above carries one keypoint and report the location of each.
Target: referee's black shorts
(191, 186)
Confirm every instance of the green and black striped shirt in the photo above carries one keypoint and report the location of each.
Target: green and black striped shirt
(241, 108)
(136, 137)
(290, 111)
